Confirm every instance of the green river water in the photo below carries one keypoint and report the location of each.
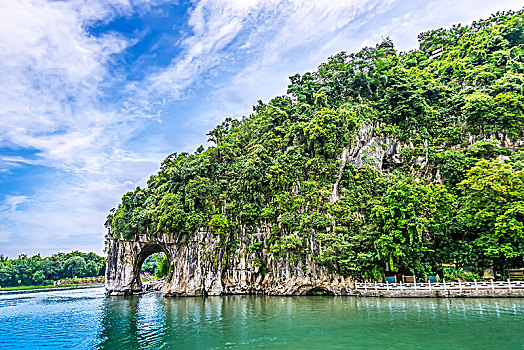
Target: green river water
(87, 319)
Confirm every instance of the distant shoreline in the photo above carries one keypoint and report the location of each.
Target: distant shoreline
(50, 287)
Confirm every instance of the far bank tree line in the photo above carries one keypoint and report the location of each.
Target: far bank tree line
(452, 194)
(35, 270)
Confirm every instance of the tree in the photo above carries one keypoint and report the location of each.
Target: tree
(92, 268)
(162, 268)
(75, 266)
(492, 213)
(412, 219)
(38, 277)
(8, 275)
(51, 269)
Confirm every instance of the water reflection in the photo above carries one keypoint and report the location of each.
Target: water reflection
(119, 323)
(152, 322)
(87, 319)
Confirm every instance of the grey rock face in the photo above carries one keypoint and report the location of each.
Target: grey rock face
(154, 286)
(201, 265)
(369, 147)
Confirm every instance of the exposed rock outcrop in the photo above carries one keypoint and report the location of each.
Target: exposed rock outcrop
(369, 147)
(154, 285)
(202, 265)
(205, 264)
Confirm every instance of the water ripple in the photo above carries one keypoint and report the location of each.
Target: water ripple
(87, 319)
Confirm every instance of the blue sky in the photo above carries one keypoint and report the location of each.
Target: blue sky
(95, 94)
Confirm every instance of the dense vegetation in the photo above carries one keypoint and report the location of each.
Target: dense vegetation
(29, 271)
(156, 265)
(443, 182)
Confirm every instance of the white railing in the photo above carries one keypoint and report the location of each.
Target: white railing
(441, 286)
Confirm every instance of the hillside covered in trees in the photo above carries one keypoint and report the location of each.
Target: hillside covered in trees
(392, 161)
(35, 270)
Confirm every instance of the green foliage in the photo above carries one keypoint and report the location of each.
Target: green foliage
(492, 212)
(502, 113)
(255, 246)
(435, 195)
(38, 277)
(460, 274)
(412, 219)
(162, 269)
(220, 225)
(75, 266)
(27, 271)
(149, 265)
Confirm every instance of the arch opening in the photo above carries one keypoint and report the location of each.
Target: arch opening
(319, 291)
(144, 279)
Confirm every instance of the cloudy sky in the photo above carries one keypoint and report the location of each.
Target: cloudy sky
(95, 93)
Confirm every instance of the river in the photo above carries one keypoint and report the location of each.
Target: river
(87, 319)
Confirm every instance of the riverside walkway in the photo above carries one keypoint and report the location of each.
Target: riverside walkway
(442, 289)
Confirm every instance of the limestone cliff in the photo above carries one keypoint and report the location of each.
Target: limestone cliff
(201, 265)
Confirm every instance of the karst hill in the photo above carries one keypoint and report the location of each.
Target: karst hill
(379, 162)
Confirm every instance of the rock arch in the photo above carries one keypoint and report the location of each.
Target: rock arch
(201, 264)
(124, 261)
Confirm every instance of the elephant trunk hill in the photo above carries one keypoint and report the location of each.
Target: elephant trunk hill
(377, 164)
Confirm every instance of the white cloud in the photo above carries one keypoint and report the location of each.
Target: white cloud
(9, 162)
(8, 207)
(214, 25)
(267, 34)
(49, 77)
(52, 76)
(303, 34)
(70, 207)
(439, 14)
(273, 39)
